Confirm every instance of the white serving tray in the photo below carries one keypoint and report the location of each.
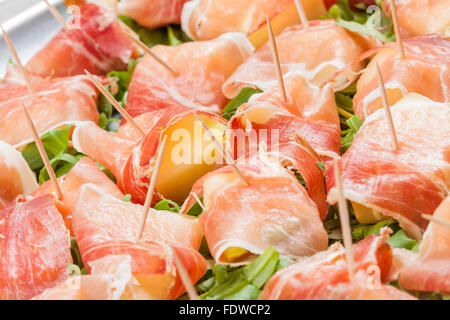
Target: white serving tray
(30, 30)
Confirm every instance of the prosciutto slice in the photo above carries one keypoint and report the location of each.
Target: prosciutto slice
(152, 264)
(402, 184)
(99, 45)
(324, 276)
(310, 112)
(431, 272)
(207, 19)
(110, 278)
(13, 78)
(316, 54)
(98, 213)
(151, 13)
(425, 70)
(421, 17)
(16, 178)
(202, 67)
(273, 210)
(101, 232)
(34, 248)
(85, 171)
(59, 101)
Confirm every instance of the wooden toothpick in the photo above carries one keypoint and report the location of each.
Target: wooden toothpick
(223, 153)
(151, 187)
(276, 60)
(344, 218)
(302, 14)
(114, 102)
(198, 200)
(57, 15)
(17, 60)
(398, 36)
(150, 52)
(184, 277)
(387, 109)
(438, 220)
(43, 154)
(307, 146)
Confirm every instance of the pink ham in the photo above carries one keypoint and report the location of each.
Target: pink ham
(59, 101)
(315, 54)
(273, 210)
(98, 45)
(402, 184)
(97, 213)
(101, 232)
(431, 272)
(16, 178)
(152, 13)
(85, 171)
(110, 278)
(425, 70)
(421, 17)
(34, 247)
(202, 68)
(325, 276)
(310, 112)
(207, 19)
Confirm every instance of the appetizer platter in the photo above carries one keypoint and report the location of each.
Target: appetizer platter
(225, 150)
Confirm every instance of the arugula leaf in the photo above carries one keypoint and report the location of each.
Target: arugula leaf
(109, 117)
(243, 97)
(167, 205)
(401, 240)
(366, 230)
(123, 80)
(76, 255)
(169, 35)
(369, 22)
(354, 123)
(196, 209)
(242, 283)
(55, 142)
(56, 145)
(299, 177)
(61, 164)
(127, 198)
(321, 165)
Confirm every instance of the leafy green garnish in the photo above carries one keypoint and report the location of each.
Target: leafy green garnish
(56, 145)
(109, 117)
(242, 283)
(401, 240)
(243, 97)
(169, 35)
(354, 123)
(196, 209)
(127, 198)
(366, 21)
(366, 230)
(55, 142)
(61, 164)
(398, 240)
(76, 255)
(321, 165)
(299, 177)
(167, 205)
